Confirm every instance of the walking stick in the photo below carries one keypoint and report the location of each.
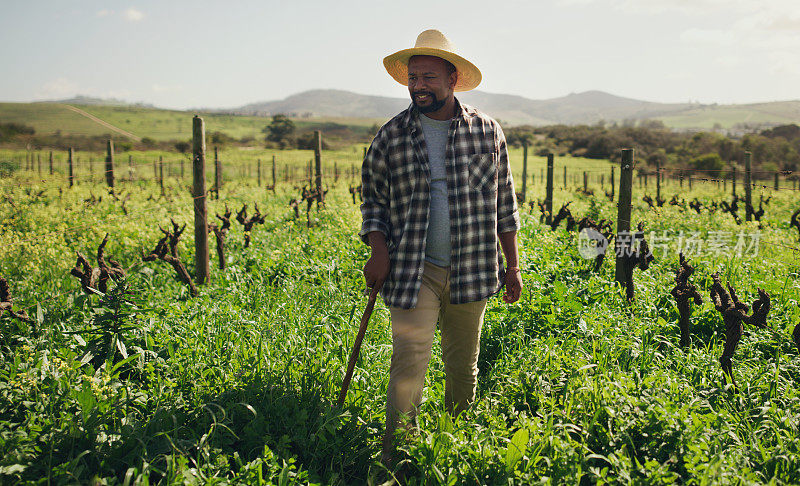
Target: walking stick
(357, 344)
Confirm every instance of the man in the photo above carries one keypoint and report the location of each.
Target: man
(438, 195)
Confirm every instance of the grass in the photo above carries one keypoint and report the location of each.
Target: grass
(159, 124)
(238, 384)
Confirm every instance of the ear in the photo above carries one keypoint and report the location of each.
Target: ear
(453, 79)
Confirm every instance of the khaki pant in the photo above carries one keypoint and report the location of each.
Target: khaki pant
(412, 340)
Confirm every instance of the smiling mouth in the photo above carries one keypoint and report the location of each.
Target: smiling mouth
(422, 97)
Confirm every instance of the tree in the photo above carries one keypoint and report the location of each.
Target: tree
(711, 163)
(280, 130)
(182, 147)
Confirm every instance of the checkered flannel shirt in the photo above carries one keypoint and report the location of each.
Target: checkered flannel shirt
(396, 200)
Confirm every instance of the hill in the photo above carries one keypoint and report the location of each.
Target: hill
(578, 108)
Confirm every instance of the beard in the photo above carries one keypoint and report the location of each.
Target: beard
(435, 105)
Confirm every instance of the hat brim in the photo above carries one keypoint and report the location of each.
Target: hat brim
(469, 76)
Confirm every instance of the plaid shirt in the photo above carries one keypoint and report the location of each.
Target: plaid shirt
(396, 192)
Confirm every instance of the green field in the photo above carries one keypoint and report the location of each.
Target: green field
(158, 124)
(238, 385)
(707, 116)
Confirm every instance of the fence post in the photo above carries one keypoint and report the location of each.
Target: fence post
(273, 173)
(155, 169)
(565, 177)
(318, 163)
(217, 172)
(658, 183)
(202, 265)
(612, 182)
(747, 187)
(585, 181)
(690, 181)
(548, 200)
(258, 173)
(91, 169)
(71, 167)
(130, 167)
(776, 177)
(110, 164)
(624, 210)
(733, 173)
(181, 168)
(161, 173)
(524, 169)
(51, 164)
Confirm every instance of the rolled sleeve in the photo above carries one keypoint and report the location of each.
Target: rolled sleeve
(375, 193)
(507, 211)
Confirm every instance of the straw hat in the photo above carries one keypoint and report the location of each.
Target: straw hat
(433, 43)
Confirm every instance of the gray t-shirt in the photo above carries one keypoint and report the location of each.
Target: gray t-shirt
(437, 245)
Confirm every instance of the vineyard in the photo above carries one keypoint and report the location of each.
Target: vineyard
(118, 368)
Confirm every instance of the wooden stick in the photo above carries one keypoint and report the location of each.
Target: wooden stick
(357, 344)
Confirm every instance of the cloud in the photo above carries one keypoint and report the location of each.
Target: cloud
(103, 13)
(728, 61)
(160, 88)
(57, 88)
(133, 14)
(709, 36)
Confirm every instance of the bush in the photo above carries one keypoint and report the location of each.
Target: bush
(7, 168)
(308, 140)
(710, 162)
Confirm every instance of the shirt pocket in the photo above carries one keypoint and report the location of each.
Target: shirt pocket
(482, 175)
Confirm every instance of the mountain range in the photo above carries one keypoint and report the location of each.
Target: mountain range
(578, 108)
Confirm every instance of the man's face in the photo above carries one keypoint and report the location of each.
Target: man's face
(429, 83)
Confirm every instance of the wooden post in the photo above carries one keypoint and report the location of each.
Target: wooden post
(91, 169)
(286, 173)
(181, 168)
(548, 198)
(161, 173)
(71, 167)
(565, 177)
(110, 164)
(585, 181)
(747, 186)
(217, 172)
(776, 177)
(130, 167)
(318, 162)
(690, 182)
(51, 164)
(273, 173)
(39, 163)
(624, 209)
(612, 182)
(658, 183)
(524, 169)
(155, 169)
(733, 175)
(202, 266)
(258, 173)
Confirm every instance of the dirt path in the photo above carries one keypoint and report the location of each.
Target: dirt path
(105, 124)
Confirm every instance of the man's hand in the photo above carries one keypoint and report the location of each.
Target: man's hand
(513, 286)
(377, 267)
(513, 281)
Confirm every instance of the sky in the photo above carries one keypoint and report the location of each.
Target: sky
(211, 54)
